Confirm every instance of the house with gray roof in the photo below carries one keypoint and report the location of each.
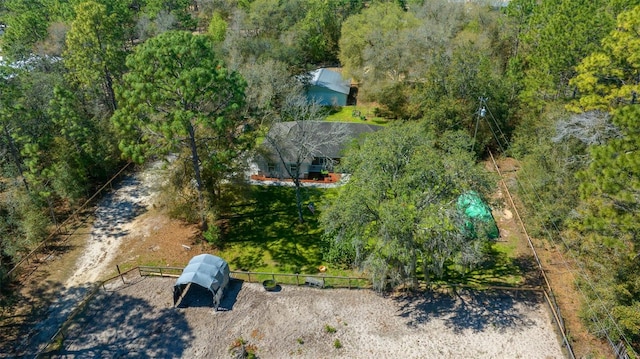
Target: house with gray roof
(328, 88)
(311, 149)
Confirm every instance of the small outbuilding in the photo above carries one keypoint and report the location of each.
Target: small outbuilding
(207, 271)
(328, 88)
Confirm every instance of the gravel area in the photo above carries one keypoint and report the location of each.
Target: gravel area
(138, 320)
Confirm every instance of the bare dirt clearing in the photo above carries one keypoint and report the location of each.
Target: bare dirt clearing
(137, 320)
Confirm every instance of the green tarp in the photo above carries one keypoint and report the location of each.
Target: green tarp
(479, 215)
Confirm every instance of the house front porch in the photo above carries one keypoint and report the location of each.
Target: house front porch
(313, 177)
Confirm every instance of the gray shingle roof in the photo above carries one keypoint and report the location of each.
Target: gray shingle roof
(330, 149)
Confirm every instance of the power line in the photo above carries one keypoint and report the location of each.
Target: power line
(582, 271)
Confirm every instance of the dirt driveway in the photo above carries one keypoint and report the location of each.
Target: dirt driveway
(115, 218)
(137, 320)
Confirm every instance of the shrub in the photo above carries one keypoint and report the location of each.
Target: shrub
(329, 329)
(341, 254)
(241, 350)
(213, 236)
(337, 344)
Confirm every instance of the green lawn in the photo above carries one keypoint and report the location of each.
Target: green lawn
(357, 114)
(262, 232)
(502, 267)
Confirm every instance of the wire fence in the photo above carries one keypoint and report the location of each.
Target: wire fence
(620, 350)
(56, 341)
(319, 280)
(548, 291)
(316, 280)
(44, 249)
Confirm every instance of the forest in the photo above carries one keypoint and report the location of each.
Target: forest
(87, 86)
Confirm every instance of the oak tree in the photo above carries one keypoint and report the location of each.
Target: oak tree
(398, 209)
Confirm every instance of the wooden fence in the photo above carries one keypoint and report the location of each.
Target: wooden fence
(327, 281)
(58, 338)
(31, 259)
(254, 277)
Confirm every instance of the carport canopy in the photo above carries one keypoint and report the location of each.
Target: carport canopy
(205, 270)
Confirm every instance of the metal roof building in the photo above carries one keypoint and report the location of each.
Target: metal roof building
(328, 88)
(207, 271)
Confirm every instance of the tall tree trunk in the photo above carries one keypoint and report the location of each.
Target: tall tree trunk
(299, 199)
(52, 211)
(195, 160)
(413, 267)
(16, 157)
(110, 92)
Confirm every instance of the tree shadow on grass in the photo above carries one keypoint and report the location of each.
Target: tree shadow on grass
(250, 259)
(471, 309)
(119, 325)
(529, 269)
(497, 269)
(269, 228)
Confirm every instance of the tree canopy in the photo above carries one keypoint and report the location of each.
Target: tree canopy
(552, 83)
(179, 95)
(398, 211)
(95, 51)
(608, 77)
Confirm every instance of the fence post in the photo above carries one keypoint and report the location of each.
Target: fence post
(249, 277)
(297, 279)
(273, 276)
(120, 274)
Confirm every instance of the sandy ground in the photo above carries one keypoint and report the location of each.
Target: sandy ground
(138, 320)
(115, 218)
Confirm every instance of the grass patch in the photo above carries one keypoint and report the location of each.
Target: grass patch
(502, 267)
(261, 232)
(329, 329)
(358, 114)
